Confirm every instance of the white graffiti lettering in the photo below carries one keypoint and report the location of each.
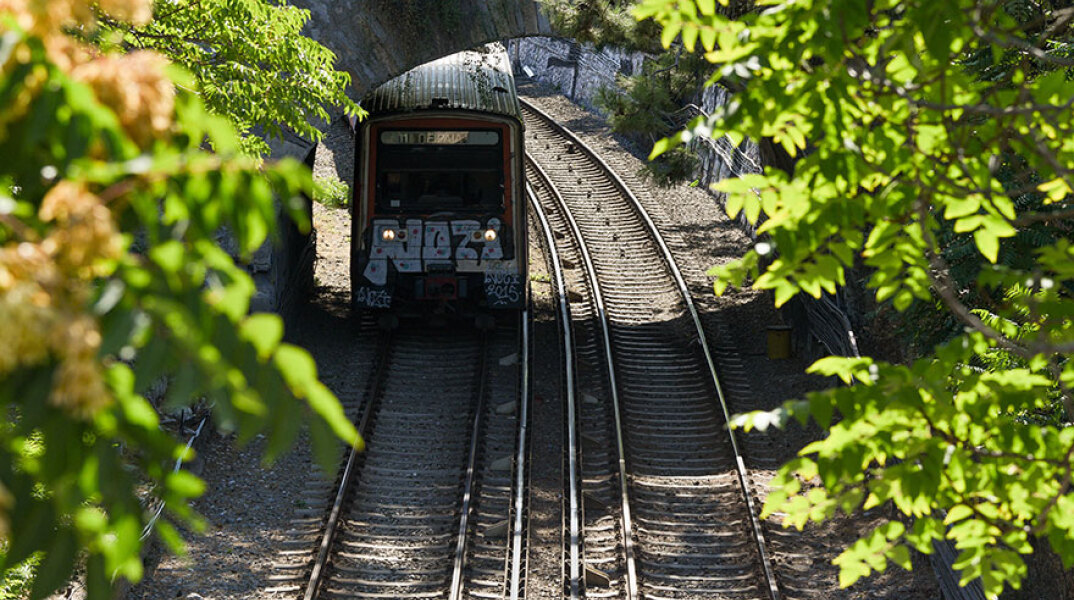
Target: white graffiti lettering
(462, 244)
(401, 245)
(373, 298)
(493, 250)
(437, 241)
(502, 287)
(377, 271)
(470, 232)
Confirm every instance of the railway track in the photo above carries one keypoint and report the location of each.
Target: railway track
(658, 487)
(432, 508)
(658, 501)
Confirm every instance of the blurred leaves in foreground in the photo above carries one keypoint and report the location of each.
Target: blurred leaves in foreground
(111, 278)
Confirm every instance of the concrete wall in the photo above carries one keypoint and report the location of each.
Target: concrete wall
(579, 71)
(283, 270)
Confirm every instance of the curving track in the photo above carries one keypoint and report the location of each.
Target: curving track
(658, 503)
(685, 518)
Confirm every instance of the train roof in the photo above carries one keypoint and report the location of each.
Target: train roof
(479, 81)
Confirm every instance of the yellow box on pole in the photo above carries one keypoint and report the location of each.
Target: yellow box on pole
(779, 342)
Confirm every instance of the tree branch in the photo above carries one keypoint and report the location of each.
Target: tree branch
(938, 276)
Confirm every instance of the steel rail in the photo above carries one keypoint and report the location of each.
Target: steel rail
(373, 393)
(574, 500)
(669, 260)
(457, 582)
(518, 527)
(598, 300)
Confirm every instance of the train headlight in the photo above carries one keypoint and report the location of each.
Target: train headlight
(490, 235)
(388, 235)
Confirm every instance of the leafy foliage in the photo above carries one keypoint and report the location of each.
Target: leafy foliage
(16, 581)
(331, 191)
(939, 140)
(604, 23)
(249, 60)
(111, 279)
(661, 98)
(656, 102)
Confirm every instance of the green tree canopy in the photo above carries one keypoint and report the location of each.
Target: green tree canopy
(916, 126)
(248, 58)
(111, 279)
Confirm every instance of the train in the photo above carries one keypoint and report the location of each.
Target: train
(439, 212)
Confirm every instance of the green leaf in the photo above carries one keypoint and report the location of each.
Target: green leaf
(168, 256)
(264, 331)
(708, 38)
(785, 290)
(689, 36)
(961, 207)
(900, 555)
(988, 244)
(138, 411)
(665, 145)
(957, 513)
(671, 30)
(325, 404)
(297, 367)
(326, 446)
(734, 204)
(1056, 189)
(57, 565)
(185, 484)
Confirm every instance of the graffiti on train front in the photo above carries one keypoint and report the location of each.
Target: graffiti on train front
(373, 298)
(419, 245)
(503, 287)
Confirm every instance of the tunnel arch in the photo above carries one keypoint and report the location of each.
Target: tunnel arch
(375, 40)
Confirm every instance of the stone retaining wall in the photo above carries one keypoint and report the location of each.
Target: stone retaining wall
(283, 271)
(580, 71)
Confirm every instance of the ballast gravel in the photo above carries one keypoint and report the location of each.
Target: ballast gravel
(247, 505)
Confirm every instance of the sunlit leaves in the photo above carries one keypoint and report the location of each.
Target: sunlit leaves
(937, 439)
(250, 63)
(169, 306)
(264, 332)
(927, 167)
(872, 552)
(1056, 189)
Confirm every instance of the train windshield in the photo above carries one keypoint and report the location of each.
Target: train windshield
(441, 170)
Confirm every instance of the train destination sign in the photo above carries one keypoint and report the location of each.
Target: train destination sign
(413, 137)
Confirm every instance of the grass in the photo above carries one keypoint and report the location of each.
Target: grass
(331, 192)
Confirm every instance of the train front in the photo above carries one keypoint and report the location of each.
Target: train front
(439, 220)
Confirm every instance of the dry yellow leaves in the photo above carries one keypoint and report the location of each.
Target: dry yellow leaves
(47, 18)
(136, 88)
(45, 284)
(44, 288)
(86, 234)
